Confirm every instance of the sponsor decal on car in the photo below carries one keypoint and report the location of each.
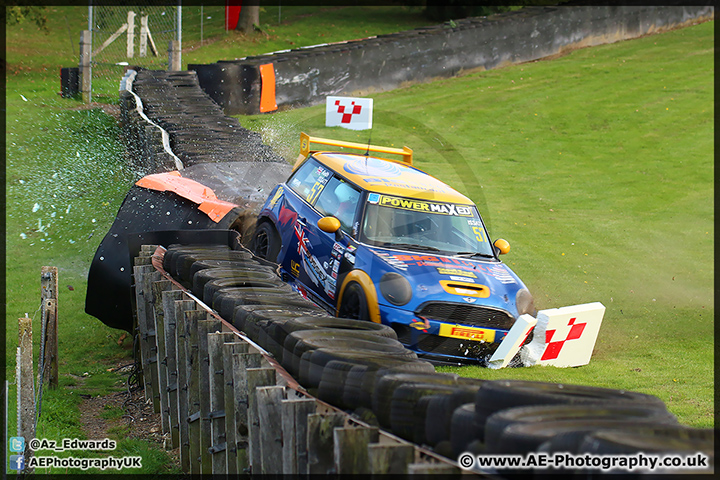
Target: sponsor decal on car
(501, 273)
(369, 166)
(422, 206)
(461, 279)
(392, 260)
(386, 182)
(421, 325)
(276, 197)
(468, 333)
(455, 271)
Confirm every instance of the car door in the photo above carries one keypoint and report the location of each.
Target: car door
(304, 187)
(321, 252)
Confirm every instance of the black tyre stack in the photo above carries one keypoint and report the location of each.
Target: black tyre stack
(199, 130)
(360, 366)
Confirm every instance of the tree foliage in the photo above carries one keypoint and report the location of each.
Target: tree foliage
(456, 9)
(441, 11)
(17, 14)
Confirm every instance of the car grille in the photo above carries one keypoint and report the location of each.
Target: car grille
(480, 351)
(475, 315)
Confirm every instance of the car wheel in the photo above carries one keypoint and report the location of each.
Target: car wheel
(354, 303)
(266, 242)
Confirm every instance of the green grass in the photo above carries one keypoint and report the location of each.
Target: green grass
(617, 164)
(597, 167)
(299, 27)
(34, 58)
(66, 176)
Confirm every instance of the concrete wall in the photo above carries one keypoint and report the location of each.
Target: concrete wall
(306, 76)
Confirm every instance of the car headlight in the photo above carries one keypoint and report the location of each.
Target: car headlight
(525, 302)
(395, 288)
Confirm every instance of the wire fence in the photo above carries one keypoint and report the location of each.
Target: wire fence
(140, 35)
(122, 36)
(202, 24)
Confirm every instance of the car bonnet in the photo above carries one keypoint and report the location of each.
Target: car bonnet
(444, 278)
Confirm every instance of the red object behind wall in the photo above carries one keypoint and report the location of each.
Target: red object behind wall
(232, 14)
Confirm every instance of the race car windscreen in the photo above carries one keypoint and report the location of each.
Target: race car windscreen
(411, 224)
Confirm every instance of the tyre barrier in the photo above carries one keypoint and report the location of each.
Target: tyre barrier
(166, 118)
(305, 76)
(169, 124)
(318, 392)
(216, 326)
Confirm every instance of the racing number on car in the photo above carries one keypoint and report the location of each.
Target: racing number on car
(479, 234)
(315, 192)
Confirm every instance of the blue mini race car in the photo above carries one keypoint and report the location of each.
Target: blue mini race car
(380, 240)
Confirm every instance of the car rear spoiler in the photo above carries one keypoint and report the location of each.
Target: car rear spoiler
(405, 153)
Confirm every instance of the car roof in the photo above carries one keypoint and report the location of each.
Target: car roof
(390, 177)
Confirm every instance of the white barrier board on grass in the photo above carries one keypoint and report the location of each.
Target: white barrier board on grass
(562, 337)
(512, 341)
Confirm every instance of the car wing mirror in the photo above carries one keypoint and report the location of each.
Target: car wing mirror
(331, 224)
(501, 246)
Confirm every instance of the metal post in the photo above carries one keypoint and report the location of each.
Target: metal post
(179, 37)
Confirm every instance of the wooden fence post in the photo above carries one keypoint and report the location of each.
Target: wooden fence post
(209, 325)
(130, 34)
(216, 392)
(144, 276)
(320, 442)
(351, 449)
(192, 318)
(26, 383)
(49, 344)
(270, 422)
(157, 289)
(49, 295)
(390, 458)
(231, 402)
(256, 377)
(241, 364)
(181, 348)
(295, 427)
(85, 65)
(143, 35)
(169, 297)
(444, 469)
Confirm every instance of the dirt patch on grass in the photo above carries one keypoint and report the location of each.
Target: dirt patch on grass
(123, 415)
(113, 110)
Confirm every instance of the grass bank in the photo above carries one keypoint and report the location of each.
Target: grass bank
(597, 167)
(66, 175)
